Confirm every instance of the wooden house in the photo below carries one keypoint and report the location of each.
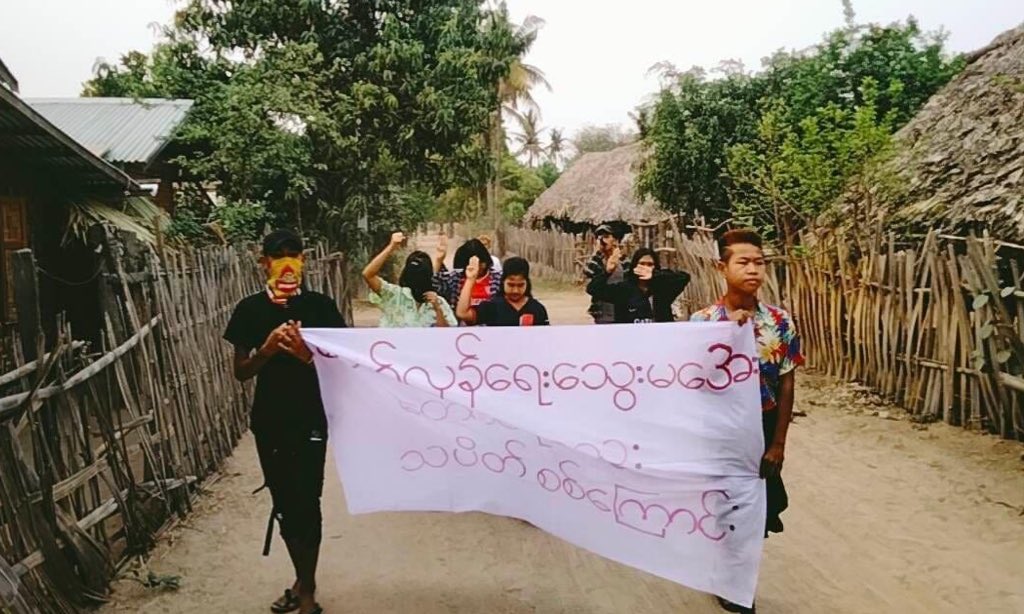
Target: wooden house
(51, 189)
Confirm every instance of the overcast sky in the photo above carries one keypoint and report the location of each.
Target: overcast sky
(595, 52)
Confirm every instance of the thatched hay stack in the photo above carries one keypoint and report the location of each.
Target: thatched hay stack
(959, 164)
(599, 187)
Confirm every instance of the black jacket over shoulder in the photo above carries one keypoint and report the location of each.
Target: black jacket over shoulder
(632, 305)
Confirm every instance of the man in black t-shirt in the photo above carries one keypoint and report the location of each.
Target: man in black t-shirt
(288, 418)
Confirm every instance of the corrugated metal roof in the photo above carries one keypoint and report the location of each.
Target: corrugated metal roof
(28, 140)
(121, 130)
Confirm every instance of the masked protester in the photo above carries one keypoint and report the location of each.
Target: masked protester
(451, 282)
(288, 418)
(647, 291)
(413, 302)
(608, 241)
(516, 305)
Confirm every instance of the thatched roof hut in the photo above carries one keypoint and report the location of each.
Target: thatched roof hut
(959, 164)
(597, 188)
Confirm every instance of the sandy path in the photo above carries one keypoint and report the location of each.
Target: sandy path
(884, 517)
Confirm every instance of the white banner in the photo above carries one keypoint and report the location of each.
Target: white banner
(641, 443)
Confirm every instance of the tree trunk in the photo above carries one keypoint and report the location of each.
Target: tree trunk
(494, 179)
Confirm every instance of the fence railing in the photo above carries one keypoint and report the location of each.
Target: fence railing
(102, 449)
(553, 255)
(937, 328)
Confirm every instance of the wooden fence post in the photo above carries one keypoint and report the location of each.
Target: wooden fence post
(26, 300)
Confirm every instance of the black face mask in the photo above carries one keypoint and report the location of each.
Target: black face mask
(420, 287)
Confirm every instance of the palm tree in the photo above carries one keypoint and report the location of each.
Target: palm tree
(515, 90)
(529, 139)
(514, 94)
(556, 147)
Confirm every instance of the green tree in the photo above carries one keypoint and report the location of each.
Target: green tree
(778, 145)
(521, 185)
(555, 150)
(689, 132)
(515, 93)
(785, 178)
(327, 112)
(548, 173)
(591, 139)
(529, 138)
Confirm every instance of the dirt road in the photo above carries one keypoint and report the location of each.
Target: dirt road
(885, 517)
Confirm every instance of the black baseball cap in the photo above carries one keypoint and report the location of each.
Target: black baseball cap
(614, 229)
(281, 240)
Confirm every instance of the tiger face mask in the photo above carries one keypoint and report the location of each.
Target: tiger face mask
(285, 278)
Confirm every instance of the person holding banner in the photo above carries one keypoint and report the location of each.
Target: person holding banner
(647, 291)
(514, 307)
(742, 263)
(413, 301)
(288, 418)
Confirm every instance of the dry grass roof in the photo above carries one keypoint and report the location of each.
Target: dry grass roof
(599, 187)
(960, 161)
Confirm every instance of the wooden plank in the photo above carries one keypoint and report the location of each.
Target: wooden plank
(9, 403)
(26, 300)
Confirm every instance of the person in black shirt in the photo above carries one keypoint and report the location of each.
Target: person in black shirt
(288, 418)
(646, 292)
(514, 307)
(608, 240)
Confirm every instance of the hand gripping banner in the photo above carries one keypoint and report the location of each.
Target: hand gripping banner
(640, 443)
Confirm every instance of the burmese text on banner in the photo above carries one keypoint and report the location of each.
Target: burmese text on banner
(641, 443)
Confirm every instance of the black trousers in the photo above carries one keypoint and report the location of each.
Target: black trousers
(778, 500)
(293, 472)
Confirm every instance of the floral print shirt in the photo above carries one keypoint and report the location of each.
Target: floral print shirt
(400, 310)
(778, 345)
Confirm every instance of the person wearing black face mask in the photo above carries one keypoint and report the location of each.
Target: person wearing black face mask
(413, 302)
(646, 292)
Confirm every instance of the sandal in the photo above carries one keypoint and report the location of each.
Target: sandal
(289, 602)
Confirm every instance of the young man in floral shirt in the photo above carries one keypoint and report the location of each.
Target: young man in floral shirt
(778, 345)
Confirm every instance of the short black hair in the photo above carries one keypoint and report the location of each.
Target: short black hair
(473, 247)
(517, 266)
(281, 240)
(737, 236)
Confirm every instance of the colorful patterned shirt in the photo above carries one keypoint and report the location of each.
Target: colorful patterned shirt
(400, 310)
(778, 345)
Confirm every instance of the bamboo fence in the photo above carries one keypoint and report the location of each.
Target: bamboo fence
(102, 451)
(553, 255)
(937, 328)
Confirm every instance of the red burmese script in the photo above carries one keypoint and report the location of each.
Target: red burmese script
(723, 369)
